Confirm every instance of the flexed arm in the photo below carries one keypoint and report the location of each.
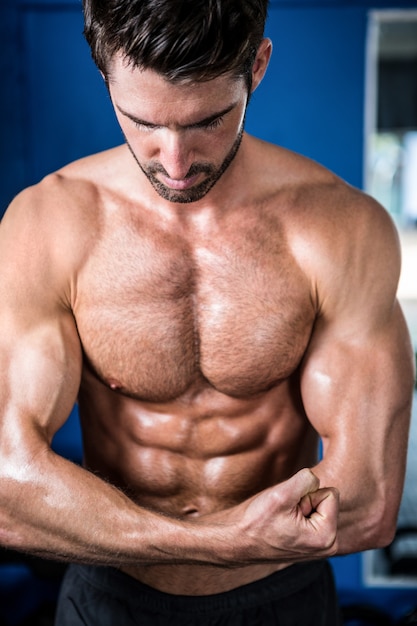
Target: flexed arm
(358, 377)
(49, 506)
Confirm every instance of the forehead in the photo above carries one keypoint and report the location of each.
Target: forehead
(147, 94)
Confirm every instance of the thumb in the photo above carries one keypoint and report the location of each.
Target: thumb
(301, 484)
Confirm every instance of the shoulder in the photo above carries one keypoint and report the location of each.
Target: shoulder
(69, 203)
(310, 199)
(342, 220)
(349, 247)
(340, 237)
(49, 228)
(77, 190)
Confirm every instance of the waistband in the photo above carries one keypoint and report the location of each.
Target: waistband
(274, 587)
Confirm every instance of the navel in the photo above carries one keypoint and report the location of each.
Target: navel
(191, 512)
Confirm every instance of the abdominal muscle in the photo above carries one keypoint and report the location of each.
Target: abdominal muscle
(193, 457)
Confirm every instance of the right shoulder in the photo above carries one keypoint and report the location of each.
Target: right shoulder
(46, 233)
(68, 204)
(58, 200)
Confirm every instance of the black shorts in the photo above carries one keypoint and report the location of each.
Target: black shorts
(300, 595)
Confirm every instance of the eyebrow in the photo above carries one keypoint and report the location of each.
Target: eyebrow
(204, 122)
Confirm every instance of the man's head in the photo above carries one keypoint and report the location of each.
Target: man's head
(182, 40)
(180, 74)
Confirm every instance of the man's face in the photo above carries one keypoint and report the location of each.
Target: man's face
(183, 136)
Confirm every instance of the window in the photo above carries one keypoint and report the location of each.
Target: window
(391, 177)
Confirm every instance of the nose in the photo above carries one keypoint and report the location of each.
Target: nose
(175, 153)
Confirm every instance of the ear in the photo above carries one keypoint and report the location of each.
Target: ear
(261, 62)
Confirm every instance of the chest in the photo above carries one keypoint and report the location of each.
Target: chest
(157, 313)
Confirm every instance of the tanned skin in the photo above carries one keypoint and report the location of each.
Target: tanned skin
(211, 337)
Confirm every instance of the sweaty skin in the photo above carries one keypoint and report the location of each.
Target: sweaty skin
(197, 413)
(210, 344)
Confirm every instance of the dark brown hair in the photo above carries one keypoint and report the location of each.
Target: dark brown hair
(180, 39)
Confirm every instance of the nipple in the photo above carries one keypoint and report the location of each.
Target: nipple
(114, 384)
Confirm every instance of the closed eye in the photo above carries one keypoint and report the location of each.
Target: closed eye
(144, 125)
(209, 123)
(212, 124)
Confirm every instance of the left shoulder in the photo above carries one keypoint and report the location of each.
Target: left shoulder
(350, 248)
(330, 227)
(342, 219)
(345, 241)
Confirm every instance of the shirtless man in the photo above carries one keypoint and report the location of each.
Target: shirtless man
(216, 304)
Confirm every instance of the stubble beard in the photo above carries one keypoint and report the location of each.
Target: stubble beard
(195, 193)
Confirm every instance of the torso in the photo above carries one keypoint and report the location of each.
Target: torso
(192, 340)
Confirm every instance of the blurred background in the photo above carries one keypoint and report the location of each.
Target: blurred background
(341, 89)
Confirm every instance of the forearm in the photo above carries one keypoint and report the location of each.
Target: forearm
(369, 503)
(358, 396)
(58, 510)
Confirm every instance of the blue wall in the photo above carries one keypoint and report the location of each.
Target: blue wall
(312, 98)
(54, 107)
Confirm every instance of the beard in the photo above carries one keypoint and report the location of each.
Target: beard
(198, 191)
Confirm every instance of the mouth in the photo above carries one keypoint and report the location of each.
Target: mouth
(179, 184)
(192, 187)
